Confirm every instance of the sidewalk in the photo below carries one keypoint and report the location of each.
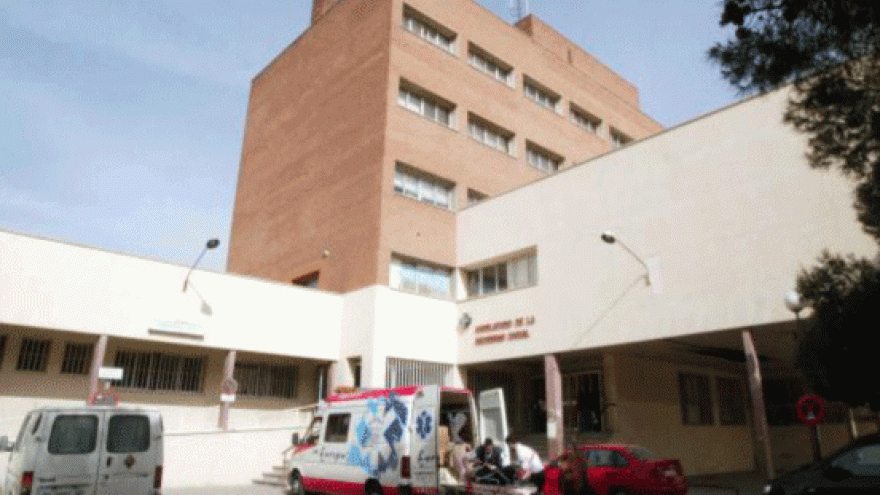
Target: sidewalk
(251, 489)
(741, 483)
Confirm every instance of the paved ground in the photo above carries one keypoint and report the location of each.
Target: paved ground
(252, 489)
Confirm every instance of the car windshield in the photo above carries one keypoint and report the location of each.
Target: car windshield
(641, 453)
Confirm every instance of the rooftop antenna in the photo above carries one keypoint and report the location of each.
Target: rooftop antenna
(519, 8)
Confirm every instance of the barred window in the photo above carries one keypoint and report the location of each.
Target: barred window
(266, 380)
(33, 355)
(696, 404)
(77, 358)
(160, 371)
(2, 348)
(732, 401)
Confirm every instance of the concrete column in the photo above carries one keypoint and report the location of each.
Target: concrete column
(97, 361)
(332, 381)
(553, 392)
(609, 376)
(228, 371)
(762, 429)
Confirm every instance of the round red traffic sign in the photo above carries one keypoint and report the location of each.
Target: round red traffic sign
(811, 410)
(104, 398)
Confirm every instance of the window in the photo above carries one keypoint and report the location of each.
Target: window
(696, 405)
(731, 401)
(780, 397)
(266, 380)
(425, 104)
(160, 371)
(540, 94)
(73, 434)
(309, 280)
(422, 186)
(490, 134)
(487, 64)
(128, 433)
(419, 277)
(515, 273)
(584, 119)
(77, 358)
(430, 31)
(337, 428)
(619, 139)
(541, 158)
(474, 197)
(33, 355)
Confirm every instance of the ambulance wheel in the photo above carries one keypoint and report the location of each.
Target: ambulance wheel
(373, 488)
(296, 484)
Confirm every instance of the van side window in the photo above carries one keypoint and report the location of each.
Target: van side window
(73, 434)
(314, 431)
(128, 433)
(337, 428)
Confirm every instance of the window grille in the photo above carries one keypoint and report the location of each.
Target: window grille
(33, 355)
(266, 380)
(696, 402)
(77, 358)
(160, 371)
(2, 348)
(401, 372)
(732, 404)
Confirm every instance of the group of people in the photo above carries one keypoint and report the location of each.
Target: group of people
(490, 463)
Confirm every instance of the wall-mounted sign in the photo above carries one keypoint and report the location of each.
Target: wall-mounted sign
(110, 373)
(503, 330)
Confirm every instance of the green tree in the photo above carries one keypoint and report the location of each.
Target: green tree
(829, 51)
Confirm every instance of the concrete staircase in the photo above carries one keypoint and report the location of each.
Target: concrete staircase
(276, 477)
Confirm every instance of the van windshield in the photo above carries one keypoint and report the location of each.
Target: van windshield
(73, 434)
(128, 433)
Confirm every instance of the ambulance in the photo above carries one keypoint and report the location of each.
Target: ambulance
(385, 441)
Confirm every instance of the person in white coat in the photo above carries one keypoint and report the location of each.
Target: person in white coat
(517, 456)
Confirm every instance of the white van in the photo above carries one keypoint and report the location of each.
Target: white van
(86, 450)
(385, 441)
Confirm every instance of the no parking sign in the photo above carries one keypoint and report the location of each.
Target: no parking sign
(811, 410)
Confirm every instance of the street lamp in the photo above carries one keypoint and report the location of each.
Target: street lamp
(609, 238)
(211, 244)
(794, 304)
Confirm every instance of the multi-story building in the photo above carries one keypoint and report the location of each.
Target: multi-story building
(385, 117)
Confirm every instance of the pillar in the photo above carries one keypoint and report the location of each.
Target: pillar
(762, 429)
(228, 371)
(97, 361)
(553, 402)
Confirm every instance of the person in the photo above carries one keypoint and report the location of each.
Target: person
(489, 454)
(574, 479)
(519, 456)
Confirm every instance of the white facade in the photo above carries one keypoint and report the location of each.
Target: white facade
(723, 210)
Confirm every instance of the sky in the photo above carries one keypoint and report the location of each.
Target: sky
(121, 123)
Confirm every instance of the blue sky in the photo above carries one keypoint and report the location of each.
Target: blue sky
(122, 121)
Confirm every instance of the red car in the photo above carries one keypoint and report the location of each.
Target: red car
(614, 470)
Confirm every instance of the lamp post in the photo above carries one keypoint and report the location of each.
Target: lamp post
(795, 305)
(211, 244)
(610, 238)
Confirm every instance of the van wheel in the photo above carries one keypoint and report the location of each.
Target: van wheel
(296, 484)
(373, 488)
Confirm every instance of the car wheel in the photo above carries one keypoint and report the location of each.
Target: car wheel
(296, 484)
(373, 488)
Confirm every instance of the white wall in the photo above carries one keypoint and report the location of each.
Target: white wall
(53, 285)
(379, 322)
(725, 205)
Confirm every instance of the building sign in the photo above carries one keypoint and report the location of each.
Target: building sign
(503, 331)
